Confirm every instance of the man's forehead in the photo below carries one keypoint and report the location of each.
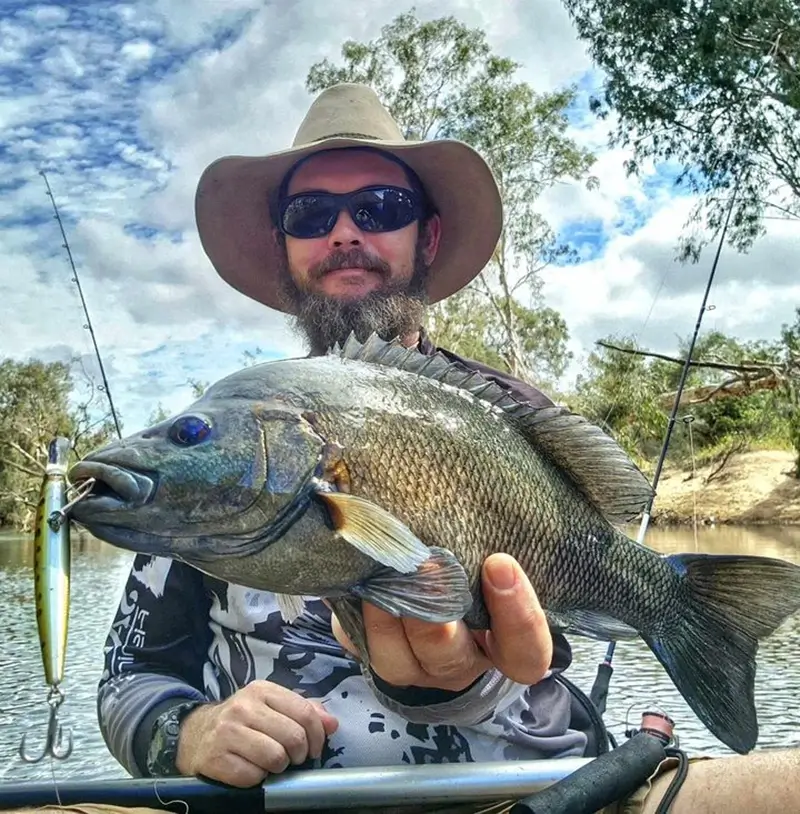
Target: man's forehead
(340, 170)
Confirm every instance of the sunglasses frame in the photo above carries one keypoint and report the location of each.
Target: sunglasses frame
(343, 201)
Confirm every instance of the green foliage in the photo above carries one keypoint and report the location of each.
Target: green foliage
(440, 79)
(632, 396)
(712, 86)
(38, 401)
(620, 393)
(158, 415)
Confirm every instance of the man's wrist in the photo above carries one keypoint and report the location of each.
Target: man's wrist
(419, 696)
(162, 752)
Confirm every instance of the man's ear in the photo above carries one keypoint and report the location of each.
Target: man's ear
(431, 234)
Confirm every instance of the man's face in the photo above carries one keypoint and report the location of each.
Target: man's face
(319, 265)
(352, 281)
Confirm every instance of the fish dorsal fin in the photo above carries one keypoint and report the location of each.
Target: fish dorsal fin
(593, 460)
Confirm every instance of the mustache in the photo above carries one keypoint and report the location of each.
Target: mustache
(353, 258)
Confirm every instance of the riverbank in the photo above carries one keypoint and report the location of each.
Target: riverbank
(752, 488)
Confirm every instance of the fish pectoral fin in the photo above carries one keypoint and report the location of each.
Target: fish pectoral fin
(438, 591)
(592, 624)
(375, 532)
(290, 606)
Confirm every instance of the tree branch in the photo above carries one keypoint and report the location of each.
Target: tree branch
(18, 498)
(20, 468)
(761, 369)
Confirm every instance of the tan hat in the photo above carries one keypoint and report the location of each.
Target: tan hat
(232, 204)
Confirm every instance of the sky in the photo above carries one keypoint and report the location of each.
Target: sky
(124, 105)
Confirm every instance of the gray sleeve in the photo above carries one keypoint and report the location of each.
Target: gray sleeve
(127, 707)
(155, 654)
(477, 703)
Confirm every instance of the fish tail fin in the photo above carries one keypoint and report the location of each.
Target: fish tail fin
(729, 604)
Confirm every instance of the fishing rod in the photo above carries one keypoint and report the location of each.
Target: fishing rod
(75, 279)
(599, 690)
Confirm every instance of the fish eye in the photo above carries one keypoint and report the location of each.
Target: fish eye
(189, 430)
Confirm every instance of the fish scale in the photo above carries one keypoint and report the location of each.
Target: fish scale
(378, 474)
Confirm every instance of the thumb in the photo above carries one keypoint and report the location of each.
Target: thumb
(519, 643)
(330, 723)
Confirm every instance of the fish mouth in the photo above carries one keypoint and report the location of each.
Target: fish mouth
(115, 487)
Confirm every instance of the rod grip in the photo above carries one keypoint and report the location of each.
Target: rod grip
(607, 779)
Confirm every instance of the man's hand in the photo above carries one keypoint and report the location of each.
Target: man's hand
(408, 652)
(261, 729)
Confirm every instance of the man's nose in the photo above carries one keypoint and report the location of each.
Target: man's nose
(345, 232)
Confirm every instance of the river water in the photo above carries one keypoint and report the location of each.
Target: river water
(99, 572)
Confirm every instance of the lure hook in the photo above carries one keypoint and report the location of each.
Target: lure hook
(58, 744)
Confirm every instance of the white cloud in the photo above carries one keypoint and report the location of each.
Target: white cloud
(125, 105)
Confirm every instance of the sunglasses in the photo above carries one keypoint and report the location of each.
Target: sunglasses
(373, 209)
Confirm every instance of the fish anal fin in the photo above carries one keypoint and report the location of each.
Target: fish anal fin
(591, 624)
(291, 607)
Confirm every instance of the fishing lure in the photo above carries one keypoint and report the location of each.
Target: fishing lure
(51, 569)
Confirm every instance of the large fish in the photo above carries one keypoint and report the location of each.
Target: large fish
(377, 473)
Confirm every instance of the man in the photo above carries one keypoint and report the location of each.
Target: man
(346, 237)
(355, 229)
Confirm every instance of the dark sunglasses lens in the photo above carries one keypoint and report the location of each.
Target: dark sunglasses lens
(309, 216)
(382, 210)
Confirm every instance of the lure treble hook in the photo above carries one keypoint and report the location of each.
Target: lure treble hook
(58, 744)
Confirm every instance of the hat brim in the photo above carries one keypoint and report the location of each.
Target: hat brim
(232, 211)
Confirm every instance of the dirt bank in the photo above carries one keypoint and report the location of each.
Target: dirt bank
(754, 487)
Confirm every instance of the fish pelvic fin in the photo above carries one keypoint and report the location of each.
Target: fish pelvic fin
(729, 604)
(347, 610)
(290, 606)
(594, 461)
(438, 591)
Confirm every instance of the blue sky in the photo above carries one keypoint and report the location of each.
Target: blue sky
(124, 104)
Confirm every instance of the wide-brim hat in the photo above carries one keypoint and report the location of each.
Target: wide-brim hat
(235, 195)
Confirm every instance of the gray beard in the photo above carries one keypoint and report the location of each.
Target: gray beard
(391, 312)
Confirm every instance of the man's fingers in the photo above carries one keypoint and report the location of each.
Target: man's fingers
(390, 652)
(447, 653)
(519, 643)
(261, 750)
(293, 721)
(233, 770)
(330, 723)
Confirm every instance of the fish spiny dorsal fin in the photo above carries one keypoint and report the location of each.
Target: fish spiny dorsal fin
(594, 460)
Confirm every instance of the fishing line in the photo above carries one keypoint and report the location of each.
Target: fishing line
(688, 420)
(167, 803)
(88, 326)
(55, 782)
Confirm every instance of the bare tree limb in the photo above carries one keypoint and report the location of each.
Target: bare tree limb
(20, 467)
(762, 369)
(733, 387)
(739, 445)
(38, 464)
(18, 499)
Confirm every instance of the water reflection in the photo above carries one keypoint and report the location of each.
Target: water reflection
(99, 572)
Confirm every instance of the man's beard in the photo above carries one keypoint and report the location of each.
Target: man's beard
(394, 310)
